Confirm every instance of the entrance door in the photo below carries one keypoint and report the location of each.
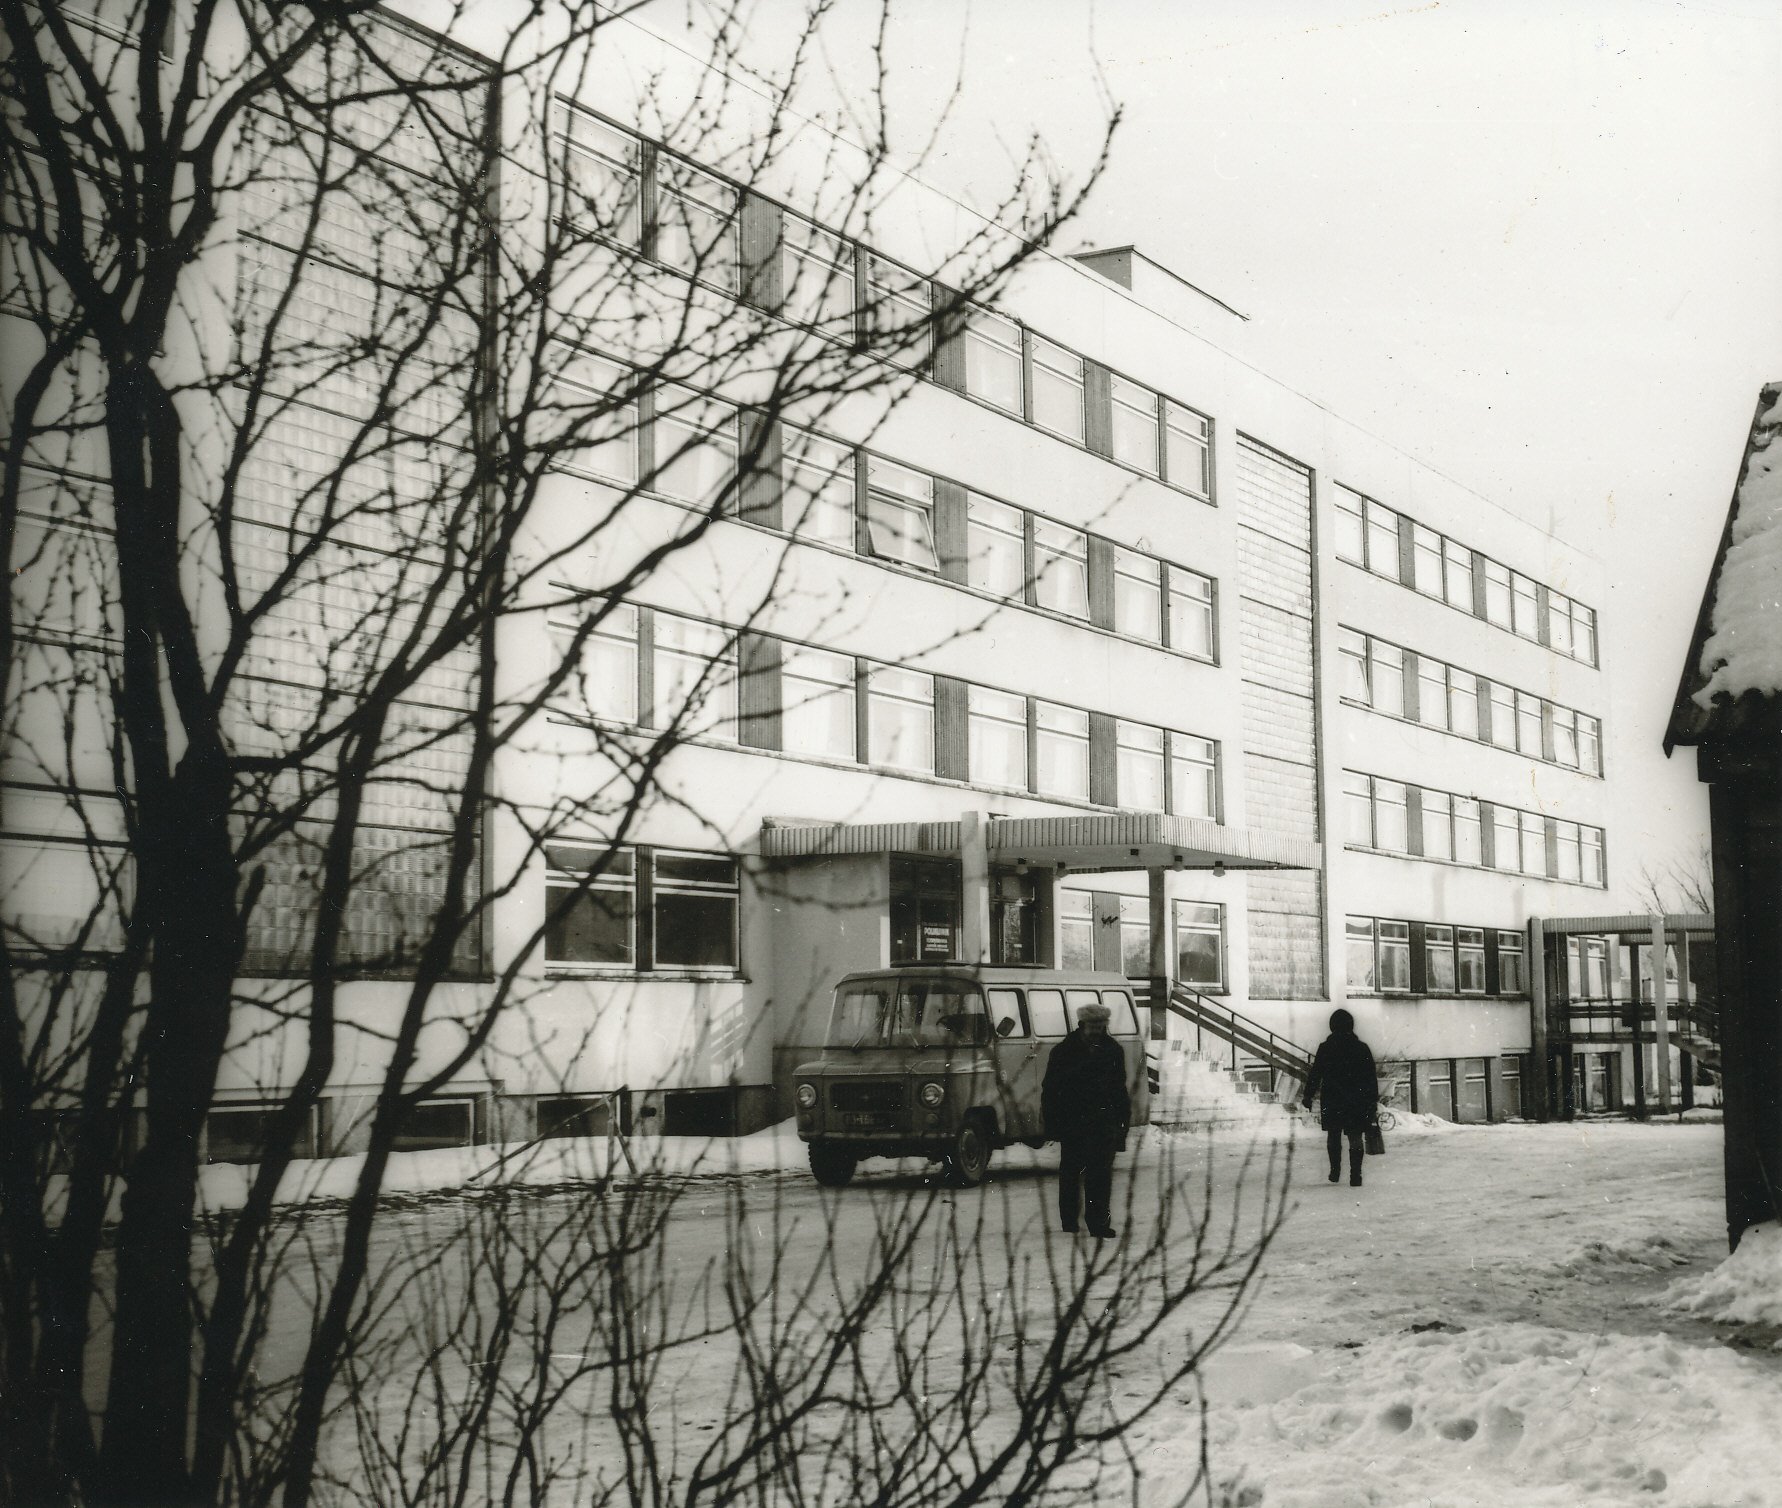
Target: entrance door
(1014, 912)
(925, 909)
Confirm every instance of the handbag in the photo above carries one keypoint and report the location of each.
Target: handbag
(1376, 1143)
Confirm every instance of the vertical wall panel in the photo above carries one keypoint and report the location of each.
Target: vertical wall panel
(1274, 581)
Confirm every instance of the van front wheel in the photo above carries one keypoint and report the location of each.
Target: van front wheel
(969, 1157)
(831, 1165)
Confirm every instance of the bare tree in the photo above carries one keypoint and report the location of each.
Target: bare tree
(1682, 885)
(307, 312)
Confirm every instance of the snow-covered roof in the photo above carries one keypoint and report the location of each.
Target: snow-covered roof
(1734, 669)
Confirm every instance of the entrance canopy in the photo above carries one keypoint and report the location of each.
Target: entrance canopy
(1081, 842)
(1636, 926)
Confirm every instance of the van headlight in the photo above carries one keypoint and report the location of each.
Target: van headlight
(807, 1096)
(933, 1094)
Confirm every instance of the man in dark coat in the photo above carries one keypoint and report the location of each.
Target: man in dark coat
(1087, 1108)
(1343, 1072)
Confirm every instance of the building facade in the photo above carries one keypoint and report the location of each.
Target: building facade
(1098, 646)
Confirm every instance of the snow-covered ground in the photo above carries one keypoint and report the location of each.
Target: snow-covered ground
(1503, 1315)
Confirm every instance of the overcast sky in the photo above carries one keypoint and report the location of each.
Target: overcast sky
(1538, 246)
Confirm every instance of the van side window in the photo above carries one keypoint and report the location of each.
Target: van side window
(1047, 1009)
(1006, 1004)
(1075, 998)
(1120, 1003)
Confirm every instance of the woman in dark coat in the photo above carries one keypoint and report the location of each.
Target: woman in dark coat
(1343, 1072)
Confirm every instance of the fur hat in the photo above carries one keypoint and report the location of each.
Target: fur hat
(1093, 1013)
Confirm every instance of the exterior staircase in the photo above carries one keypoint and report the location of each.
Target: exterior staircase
(1197, 1080)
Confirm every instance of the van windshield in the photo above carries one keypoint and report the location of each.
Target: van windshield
(909, 1013)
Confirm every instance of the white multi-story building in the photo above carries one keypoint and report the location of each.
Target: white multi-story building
(1100, 646)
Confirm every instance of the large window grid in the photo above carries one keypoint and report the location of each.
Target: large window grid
(598, 900)
(1375, 817)
(1394, 956)
(1372, 674)
(645, 198)
(1371, 535)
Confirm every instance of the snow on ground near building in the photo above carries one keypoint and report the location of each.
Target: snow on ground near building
(1515, 1316)
(1743, 652)
(1745, 1289)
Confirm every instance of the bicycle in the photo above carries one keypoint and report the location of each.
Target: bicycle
(1384, 1118)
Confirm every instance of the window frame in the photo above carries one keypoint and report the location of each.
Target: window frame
(562, 878)
(794, 713)
(879, 681)
(972, 339)
(1512, 945)
(1132, 745)
(1203, 926)
(667, 699)
(668, 166)
(1008, 534)
(1203, 604)
(1201, 444)
(1047, 720)
(802, 248)
(980, 711)
(1060, 553)
(1142, 408)
(884, 502)
(1205, 770)
(661, 887)
(1469, 951)
(796, 465)
(1037, 363)
(1151, 584)
(890, 285)
(1439, 947)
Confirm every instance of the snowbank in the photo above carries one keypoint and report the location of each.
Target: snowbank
(1745, 1289)
(1503, 1416)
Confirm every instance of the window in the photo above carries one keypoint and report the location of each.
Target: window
(1351, 531)
(996, 548)
(1187, 449)
(1506, 838)
(1463, 703)
(1432, 692)
(1062, 738)
(1057, 390)
(695, 677)
(1512, 977)
(1590, 745)
(1200, 944)
(897, 310)
(1426, 556)
(1503, 715)
(1382, 541)
(818, 476)
(696, 446)
(818, 271)
(1497, 594)
(1138, 595)
(1358, 933)
(1438, 825)
(993, 360)
(1569, 859)
(1135, 424)
(1468, 846)
(1352, 652)
(1060, 568)
(602, 169)
(695, 912)
(1583, 634)
(1565, 737)
(900, 514)
(1559, 622)
(1395, 955)
(1139, 757)
(587, 389)
(591, 905)
(1523, 604)
(997, 735)
(816, 702)
(1076, 933)
(1390, 825)
(1135, 943)
(1534, 843)
(1358, 824)
(1457, 571)
(1194, 776)
(608, 672)
(1595, 872)
(696, 229)
(900, 719)
(1190, 613)
(1386, 677)
(1438, 959)
(1471, 946)
(1528, 724)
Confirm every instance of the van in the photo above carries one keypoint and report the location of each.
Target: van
(946, 1061)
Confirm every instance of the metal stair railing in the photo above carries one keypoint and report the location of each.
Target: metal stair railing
(1240, 1033)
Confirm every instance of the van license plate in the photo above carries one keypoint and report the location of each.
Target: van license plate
(866, 1120)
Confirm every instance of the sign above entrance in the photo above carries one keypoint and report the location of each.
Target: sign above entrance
(937, 944)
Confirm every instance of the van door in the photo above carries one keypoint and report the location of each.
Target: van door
(1048, 1024)
(1127, 1032)
(1018, 1066)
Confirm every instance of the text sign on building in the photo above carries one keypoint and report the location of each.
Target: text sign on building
(937, 943)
